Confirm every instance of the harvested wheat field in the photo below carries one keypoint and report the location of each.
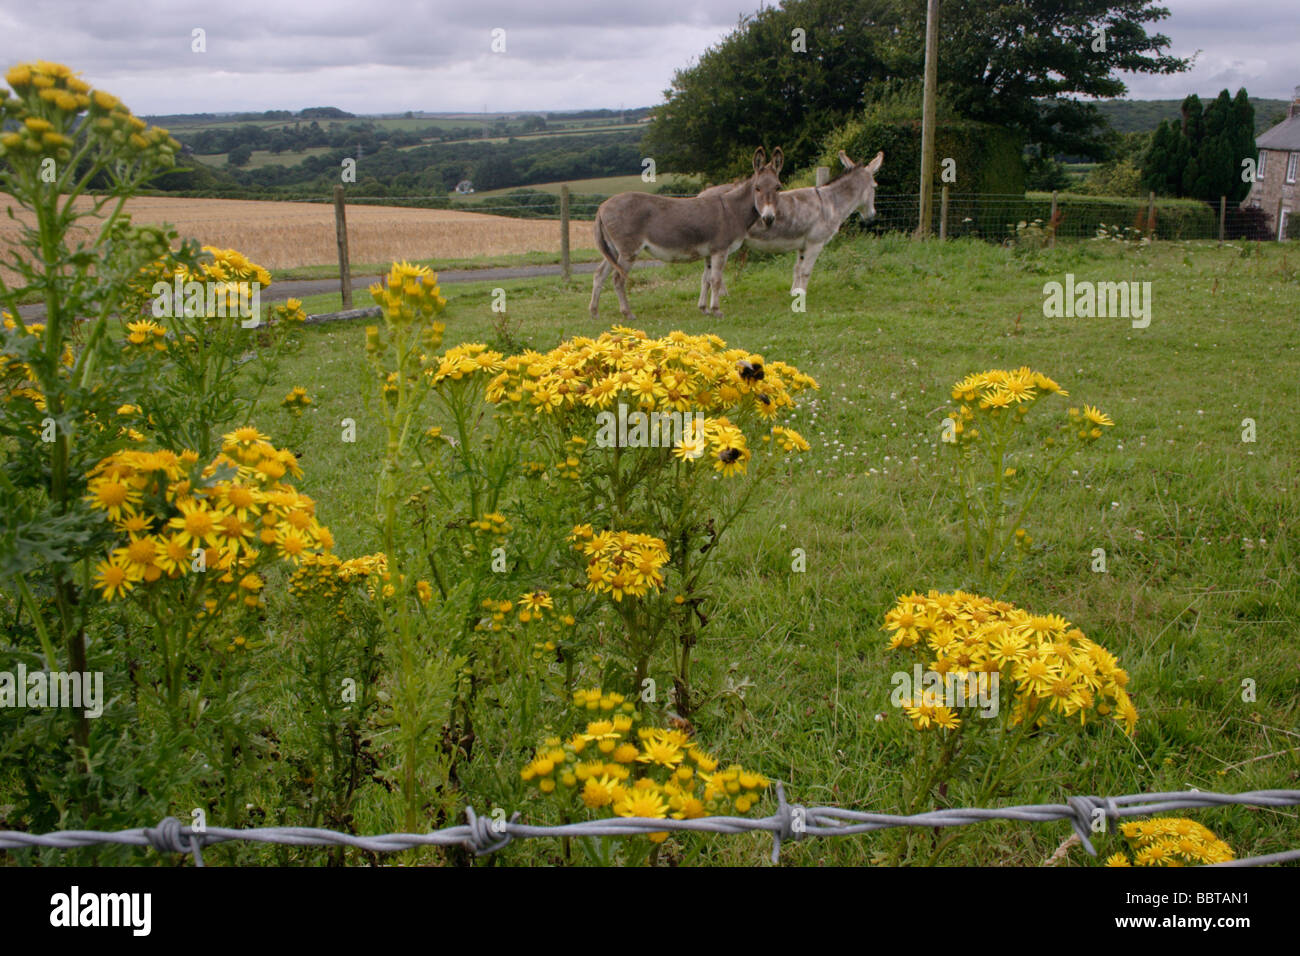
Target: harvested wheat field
(280, 235)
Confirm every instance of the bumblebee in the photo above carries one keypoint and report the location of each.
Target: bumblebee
(751, 372)
(728, 455)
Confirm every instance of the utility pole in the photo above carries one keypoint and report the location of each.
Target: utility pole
(927, 117)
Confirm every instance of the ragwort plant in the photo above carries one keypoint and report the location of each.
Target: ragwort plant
(998, 481)
(63, 384)
(619, 765)
(996, 676)
(645, 449)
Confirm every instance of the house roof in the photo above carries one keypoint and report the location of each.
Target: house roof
(1285, 135)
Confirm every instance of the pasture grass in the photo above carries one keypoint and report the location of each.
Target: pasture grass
(1201, 591)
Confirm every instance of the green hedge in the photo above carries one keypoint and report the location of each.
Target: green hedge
(988, 158)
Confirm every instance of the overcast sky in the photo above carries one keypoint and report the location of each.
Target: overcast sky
(371, 56)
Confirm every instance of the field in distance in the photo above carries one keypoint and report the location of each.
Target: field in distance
(282, 235)
(601, 185)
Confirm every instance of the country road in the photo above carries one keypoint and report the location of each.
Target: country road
(300, 288)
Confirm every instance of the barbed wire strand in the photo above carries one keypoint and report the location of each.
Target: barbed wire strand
(485, 835)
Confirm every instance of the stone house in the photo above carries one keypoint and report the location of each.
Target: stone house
(1276, 190)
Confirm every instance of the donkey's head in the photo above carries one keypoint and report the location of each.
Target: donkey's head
(864, 181)
(766, 183)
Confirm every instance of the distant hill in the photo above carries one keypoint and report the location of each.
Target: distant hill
(1143, 116)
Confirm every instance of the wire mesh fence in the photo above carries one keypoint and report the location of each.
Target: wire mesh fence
(1087, 816)
(993, 217)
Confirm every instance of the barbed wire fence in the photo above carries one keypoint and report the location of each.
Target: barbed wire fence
(791, 822)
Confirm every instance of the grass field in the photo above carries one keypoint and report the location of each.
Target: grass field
(264, 157)
(1200, 528)
(281, 235)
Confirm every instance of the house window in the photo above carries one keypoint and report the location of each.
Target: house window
(1263, 165)
(1291, 165)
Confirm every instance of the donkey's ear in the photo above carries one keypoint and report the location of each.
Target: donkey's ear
(844, 159)
(778, 158)
(874, 166)
(760, 158)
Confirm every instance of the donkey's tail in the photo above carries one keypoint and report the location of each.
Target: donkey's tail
(602, 243)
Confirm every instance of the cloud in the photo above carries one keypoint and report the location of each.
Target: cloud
(395, 55)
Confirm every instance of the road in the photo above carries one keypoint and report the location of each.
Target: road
(301, 288)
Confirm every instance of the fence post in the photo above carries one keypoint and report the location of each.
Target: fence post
(823, 175)
(943, 212)
(341, 232)
(1223, 216)
(1051, 221)
(1151, 215)
(564, 231)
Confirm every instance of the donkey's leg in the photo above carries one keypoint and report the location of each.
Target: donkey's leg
(808, 259)
(597, 283)
(620, 285)
(717, 263)
(704, 286)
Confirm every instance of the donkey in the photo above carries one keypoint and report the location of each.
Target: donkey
(807, 219)
(682, 230)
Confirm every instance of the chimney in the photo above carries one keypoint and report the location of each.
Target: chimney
(1294, 109)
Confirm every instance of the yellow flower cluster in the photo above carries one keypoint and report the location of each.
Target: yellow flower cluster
(532, 604)
(47, 114)
(297, 400)
(1000, 392)
(18, 379)
(1170, 841)
(463, 361)
(327, 576)
(620, 562)
(678, 372)
(654, 773)
(224, 520)
(225, 269)
(789, 439)
(410, 293)
(1051, 665)
(724, 441)
(147, 335)
(492, 523)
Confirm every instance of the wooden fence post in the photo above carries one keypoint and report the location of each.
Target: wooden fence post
(1151, 215)
(1051, 220)
(823, 175)
(943, 212)
(564, 231)
(1223, 216)
(341, 232)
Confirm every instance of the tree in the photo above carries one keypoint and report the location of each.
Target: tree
(1021, 65)
(766, 85)
(240, 155)
(1201, 157)
(1017, 65)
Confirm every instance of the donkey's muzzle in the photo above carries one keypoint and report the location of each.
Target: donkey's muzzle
(768, 219)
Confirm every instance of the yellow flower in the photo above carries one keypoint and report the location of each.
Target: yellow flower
(113, 578)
